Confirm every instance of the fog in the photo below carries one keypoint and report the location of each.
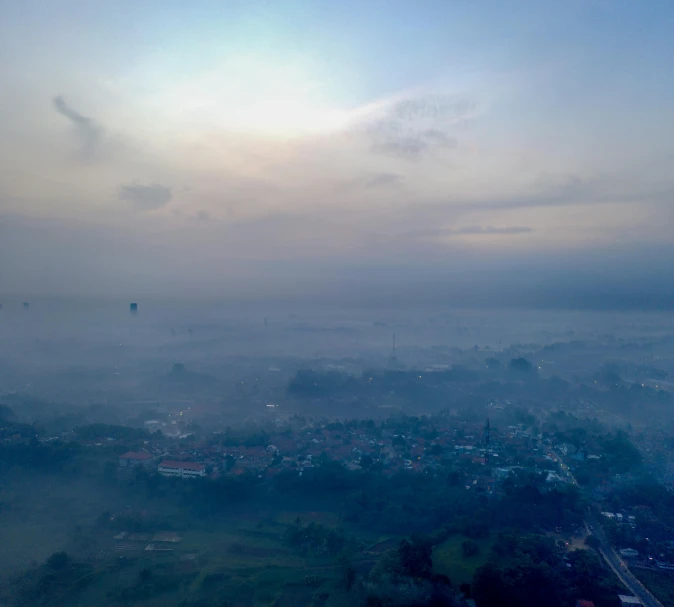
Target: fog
(336, 304)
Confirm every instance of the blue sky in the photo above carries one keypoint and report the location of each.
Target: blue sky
(217, 139)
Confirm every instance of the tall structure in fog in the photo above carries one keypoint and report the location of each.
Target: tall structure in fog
(133, 308)
(26, 305)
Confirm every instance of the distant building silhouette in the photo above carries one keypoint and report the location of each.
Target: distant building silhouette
(133, 308)
(26, 305)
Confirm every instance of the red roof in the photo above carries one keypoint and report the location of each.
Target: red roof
(138, 455)
(184, 465)
(584, 603)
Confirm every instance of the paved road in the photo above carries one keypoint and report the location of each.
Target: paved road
(627, 577)
(611, 557)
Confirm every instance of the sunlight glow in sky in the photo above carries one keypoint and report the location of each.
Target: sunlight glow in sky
(206, 138)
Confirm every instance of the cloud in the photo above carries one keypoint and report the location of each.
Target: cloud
(492, 230)
(146, 197)
(401, 147)
(87, 130)
(439, 138)
(382, 180)
(411, 128)
(470, 231)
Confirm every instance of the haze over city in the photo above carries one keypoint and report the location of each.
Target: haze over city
(336, 303)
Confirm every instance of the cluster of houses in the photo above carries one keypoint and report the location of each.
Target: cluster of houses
(417, 449)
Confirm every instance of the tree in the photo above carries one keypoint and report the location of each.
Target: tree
(58, 561)
(593, 541)
(436, 449)
(521, 365)
(366, 461)
(398, 441)
(415, 559)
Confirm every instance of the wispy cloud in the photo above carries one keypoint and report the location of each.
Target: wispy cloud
(146, 197)
(87, 130)
(412, 127)
(470, 231)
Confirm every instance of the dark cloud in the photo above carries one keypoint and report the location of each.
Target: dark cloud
(146, 197)
(87, 130)
(414, 127)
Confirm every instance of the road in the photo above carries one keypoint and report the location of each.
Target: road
(621, 569)
(608, 553)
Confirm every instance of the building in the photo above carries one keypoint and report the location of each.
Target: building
(182, 469)
(629, 553)
(130, 459)
(628, 601)
(584, 603)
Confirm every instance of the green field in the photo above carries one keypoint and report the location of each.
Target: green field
(239, 557)
(660, 583)
(448, 559)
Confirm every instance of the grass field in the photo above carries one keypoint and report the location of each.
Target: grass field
(448, 559)
(660, 583)
(239, 556)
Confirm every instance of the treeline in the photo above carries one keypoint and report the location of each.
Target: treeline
(51, 456)
(403, 503)
(529, 571)
(100, 431)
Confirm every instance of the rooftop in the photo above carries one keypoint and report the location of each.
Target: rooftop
(182, 465)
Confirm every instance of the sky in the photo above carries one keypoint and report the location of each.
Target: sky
(381, 150)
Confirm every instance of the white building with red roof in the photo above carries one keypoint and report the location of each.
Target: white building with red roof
(181, 469)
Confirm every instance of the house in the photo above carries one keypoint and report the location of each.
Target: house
(584, 603)
(629, 553)
(167, 536)
(181, 469)
(131, 459)
(627, 601)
